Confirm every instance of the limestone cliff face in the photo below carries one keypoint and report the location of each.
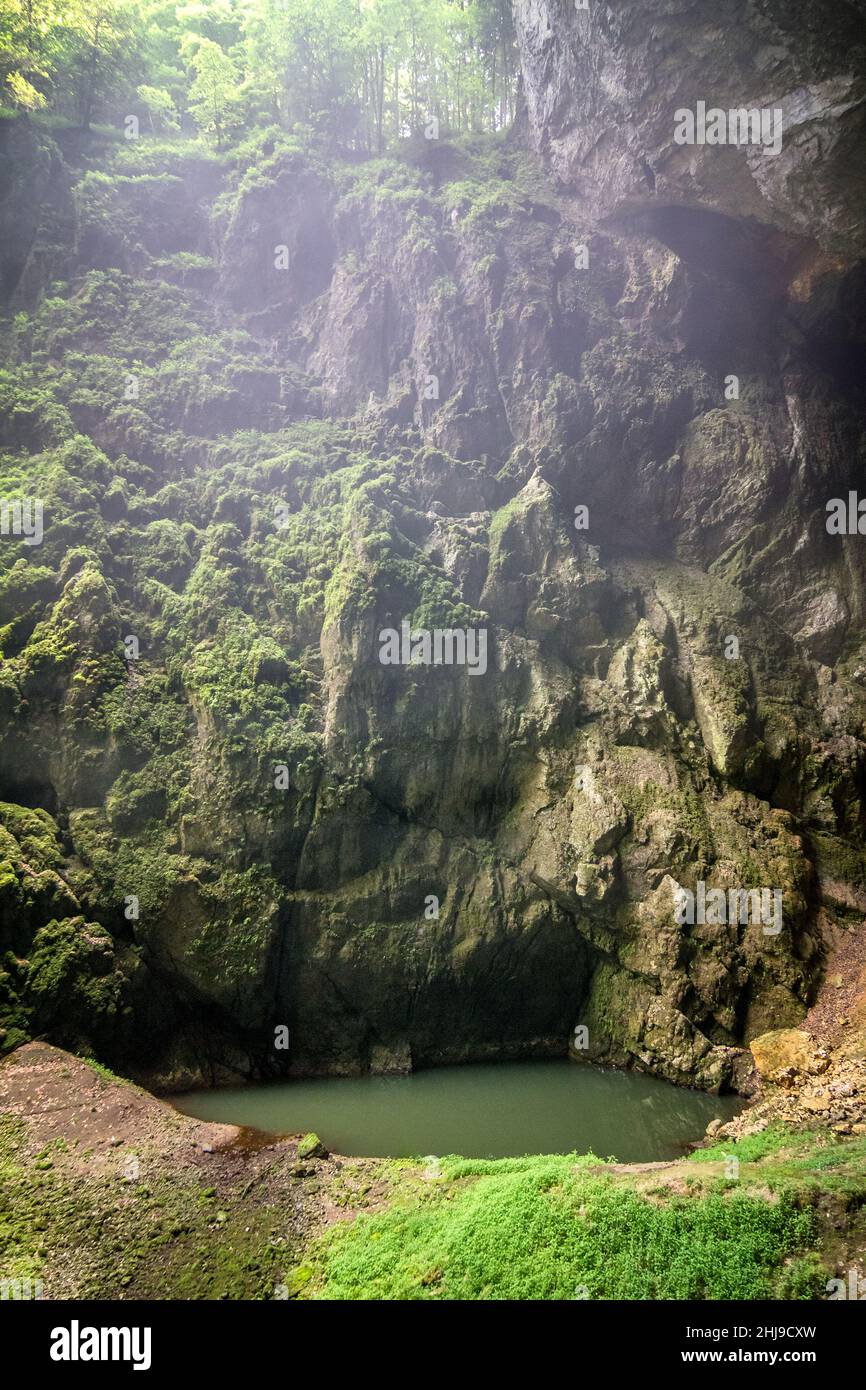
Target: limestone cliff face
(477, 397)
(603, 84)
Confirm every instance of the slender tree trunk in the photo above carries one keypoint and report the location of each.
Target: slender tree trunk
(414, 75)
(396, 98)
(380, 99)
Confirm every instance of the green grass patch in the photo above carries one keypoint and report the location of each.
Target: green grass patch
(751, 1149)
(554, 1228)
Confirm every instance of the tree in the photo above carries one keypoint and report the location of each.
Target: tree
(100, 52)
(27, 35)
(359, 72)
(160, 107)
(305, 59)
(25, 96)
(214, 91)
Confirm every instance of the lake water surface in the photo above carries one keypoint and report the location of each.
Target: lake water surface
(496, 1110)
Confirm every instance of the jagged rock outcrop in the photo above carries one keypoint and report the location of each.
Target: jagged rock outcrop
(470, 399)
(603, 84)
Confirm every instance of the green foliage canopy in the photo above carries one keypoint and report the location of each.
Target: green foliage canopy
(362, 72)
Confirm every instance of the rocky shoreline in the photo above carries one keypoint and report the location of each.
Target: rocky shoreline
(800, 1085)
(110, 1193)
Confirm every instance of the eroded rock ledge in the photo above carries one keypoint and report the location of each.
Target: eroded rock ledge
(616, 749)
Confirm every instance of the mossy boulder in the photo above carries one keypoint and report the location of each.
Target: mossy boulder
(311, 1146)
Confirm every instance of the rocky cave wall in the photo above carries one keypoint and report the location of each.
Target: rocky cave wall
(281, 487)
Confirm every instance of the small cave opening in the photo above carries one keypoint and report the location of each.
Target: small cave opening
(31, 792)
(741, 250)
(833, 322)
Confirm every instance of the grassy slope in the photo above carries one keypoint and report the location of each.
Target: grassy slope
(564, 1227)
(208, 1216)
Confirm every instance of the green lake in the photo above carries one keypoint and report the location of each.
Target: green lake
(495, 1110)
